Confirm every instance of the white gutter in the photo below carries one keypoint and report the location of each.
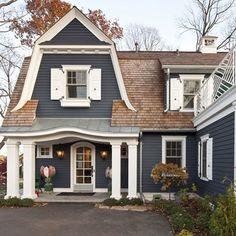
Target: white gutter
(167, 90)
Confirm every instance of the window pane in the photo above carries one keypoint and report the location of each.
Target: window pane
(176, 161)
(204, 159)
(87, 180)
(77, 91)
(79, 180)
(188, 101)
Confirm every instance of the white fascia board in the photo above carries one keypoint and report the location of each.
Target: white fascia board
(74, 13)
(74, 130)
(192, 76)
(189, 66)
(225, 101)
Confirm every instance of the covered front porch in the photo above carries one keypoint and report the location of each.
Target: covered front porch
(82, 169)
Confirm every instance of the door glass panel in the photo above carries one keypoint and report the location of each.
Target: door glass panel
(83, 165)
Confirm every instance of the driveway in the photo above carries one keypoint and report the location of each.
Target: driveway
(81, 219)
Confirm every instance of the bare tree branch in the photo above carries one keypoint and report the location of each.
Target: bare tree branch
(8, 3)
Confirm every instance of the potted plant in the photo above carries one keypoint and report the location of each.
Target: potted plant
(48, 172)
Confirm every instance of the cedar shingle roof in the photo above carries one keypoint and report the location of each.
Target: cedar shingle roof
(174, 58)
(144, 82)
(26, 115)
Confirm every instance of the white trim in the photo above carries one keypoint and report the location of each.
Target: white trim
(75, 67)
(100, 190)
(75, 102)
(174, 138)
(72, 161)
(74, 13)
(59, 190)
(183, 77)
(68, 47)
(39, 156)
(215, 118)
(235, 150)
(189, 66)
(220, 104)
(74, 130)
(205, 137)
(37, 56)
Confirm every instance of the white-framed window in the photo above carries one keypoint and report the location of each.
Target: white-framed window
(174, 150)
(76, 85)
(205, 158)
(44, 151)
(183, 90)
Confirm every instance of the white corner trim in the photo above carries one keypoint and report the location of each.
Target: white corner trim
(174, 138)
(204, 137)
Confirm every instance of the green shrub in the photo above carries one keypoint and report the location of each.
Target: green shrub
(202, 222)
(26, 202)
(181, 220)
(183, 195)
(223, 220)
(12, 202)
(185, 232)
(110, 202)
(122, 202)
(136, 201)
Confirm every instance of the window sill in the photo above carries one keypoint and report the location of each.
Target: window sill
(75, 103)
(44, 157)
(204, 179)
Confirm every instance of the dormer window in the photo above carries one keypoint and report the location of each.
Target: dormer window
(77, 84)
(190, 87)
(183, 90)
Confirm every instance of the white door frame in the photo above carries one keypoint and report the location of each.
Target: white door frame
(72, 162)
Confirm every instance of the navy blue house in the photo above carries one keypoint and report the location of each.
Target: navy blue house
(82, 106)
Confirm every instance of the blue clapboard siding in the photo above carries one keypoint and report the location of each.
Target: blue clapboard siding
(62, 177)
(222, 132)
(48, 108)
(75, 33)
(152, 154)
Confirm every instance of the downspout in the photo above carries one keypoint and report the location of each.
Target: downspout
(167, 90)
(141, 165)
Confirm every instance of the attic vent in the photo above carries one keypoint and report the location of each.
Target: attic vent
(208, 44)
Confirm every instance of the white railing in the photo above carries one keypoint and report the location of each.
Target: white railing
(219, 82)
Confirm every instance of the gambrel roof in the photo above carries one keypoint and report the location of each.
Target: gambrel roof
(144, 81)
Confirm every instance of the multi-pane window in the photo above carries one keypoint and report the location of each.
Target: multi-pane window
(174, 152)
(44, 151)
(189, 91)
(77, 84)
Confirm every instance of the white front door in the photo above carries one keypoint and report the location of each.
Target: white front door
(84, 163)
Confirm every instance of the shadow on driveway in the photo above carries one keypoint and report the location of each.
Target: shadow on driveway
(65, 219)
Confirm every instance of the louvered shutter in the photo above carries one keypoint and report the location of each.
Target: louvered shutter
(95, 77)
(57, 84)
(209, 158)
(176, 94)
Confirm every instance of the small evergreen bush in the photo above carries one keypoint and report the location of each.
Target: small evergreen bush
(181, 220)
(16, 202)
(26, 202)
(223, 221)
(122, 202)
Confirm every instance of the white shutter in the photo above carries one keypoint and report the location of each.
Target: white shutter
(176, 94)
(95, 84)
(57, 83)
(199, 159)
(209, 158)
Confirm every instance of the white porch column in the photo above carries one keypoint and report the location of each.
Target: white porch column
(132, 169)
(116, 170)
(29, 170)
(12, 169)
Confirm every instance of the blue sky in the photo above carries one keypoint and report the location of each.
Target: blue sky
(158, 13)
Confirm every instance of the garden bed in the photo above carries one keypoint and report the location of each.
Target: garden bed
(18, 203)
